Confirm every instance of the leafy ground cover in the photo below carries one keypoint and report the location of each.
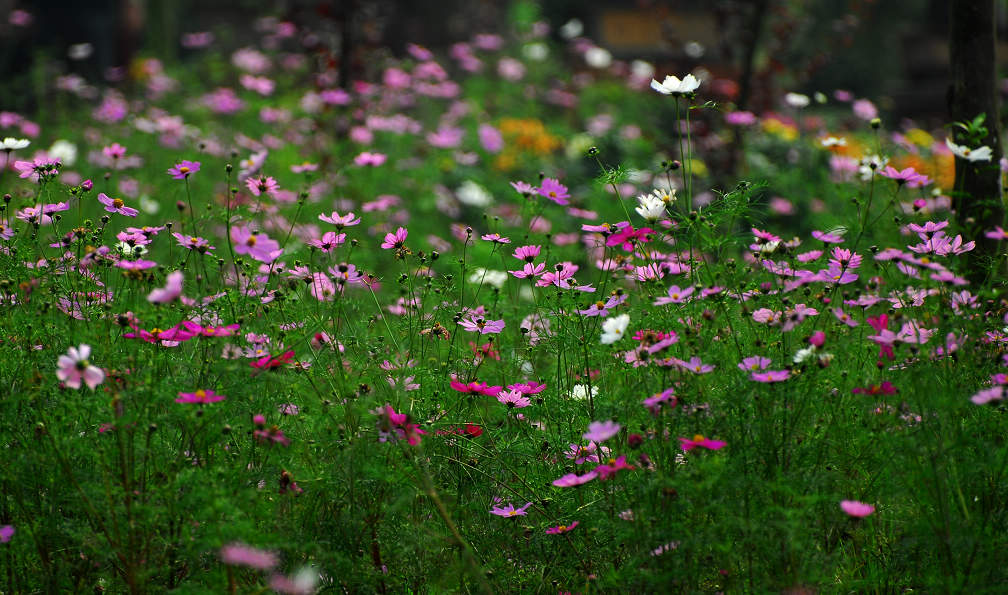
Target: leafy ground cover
(489, 321)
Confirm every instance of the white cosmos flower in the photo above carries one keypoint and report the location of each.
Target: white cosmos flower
(796, 100)
(65, 151)
(650, 207)
(673, 86)
(597, 57)
(13, 144)
(579, 392)
(963, 152)
(489, 277)
(474, 195)
(614, 328)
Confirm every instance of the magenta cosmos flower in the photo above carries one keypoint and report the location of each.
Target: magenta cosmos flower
(856, 509)
(74, 367)
(6, 532)
(395, 240)
(200, 396)
(184, 169)
(259, 245)
(510, 510)
(554, 190)
(600, 431)
(561, 528)
(770, 376)
(340, 221)
(482, 326)
(513, 399)
(116, 205)
(689, 444)
(476, 388)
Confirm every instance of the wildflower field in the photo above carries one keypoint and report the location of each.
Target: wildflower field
(512, 317)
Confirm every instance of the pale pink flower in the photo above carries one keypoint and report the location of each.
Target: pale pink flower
(74, 367)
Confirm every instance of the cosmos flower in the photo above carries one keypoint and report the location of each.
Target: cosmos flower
(170, 292)
(971, 155)
(856, 509)
(184, 169)
(675, 87)
(199, 396)
(510, 510)
(689, 444)
(600, 431)
(74, 367)
(553, 190)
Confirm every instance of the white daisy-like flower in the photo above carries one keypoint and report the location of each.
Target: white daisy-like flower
(797, 100)
(673, 86)
(964, 152)
(650, 207)
(614, 328)
(472, 194)
(13, 144)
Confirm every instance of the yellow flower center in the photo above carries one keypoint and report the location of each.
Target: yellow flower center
(118, 203)
(183, 169)
(251, 241)
(698, 438)
(201, 394)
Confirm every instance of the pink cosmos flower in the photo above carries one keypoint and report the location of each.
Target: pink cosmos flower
(340, 221)
(373, 159)
(675, 296)
(572, 479)
(510, 510)
(528, 388)
(259, 246)
(193, 242)
(74, 367)
(395, 240)
(7, 531)
(997, 234)
(609, 469)
(262, 185)
(886, 388)
(114, 151)
(476, 388)
(495, 238)
(184, 169)
(769, 376)
(559, 529)
(698, 440)
(170, 292)
(995, 393)
(554, 190)
(328, 242)
(856, 509)
(199, 396)
(481, 325)
(754, 363)
(239, 554)
(116, 205)
(600, 431)
(513, 399)
(908, 176)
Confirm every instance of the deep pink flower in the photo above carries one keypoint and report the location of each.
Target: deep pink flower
(476, 388)
(269, 362)
(74, 367)
(856, 509)
(559, 529)
(200, 396)
(395, 240)
(528, 388)
(886, 388)
(6, 532)
(609, 469)
(698, 440)
(184, 169)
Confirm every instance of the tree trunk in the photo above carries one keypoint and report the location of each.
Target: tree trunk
(977, 197)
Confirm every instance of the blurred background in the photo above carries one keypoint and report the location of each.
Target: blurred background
(892, 52)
